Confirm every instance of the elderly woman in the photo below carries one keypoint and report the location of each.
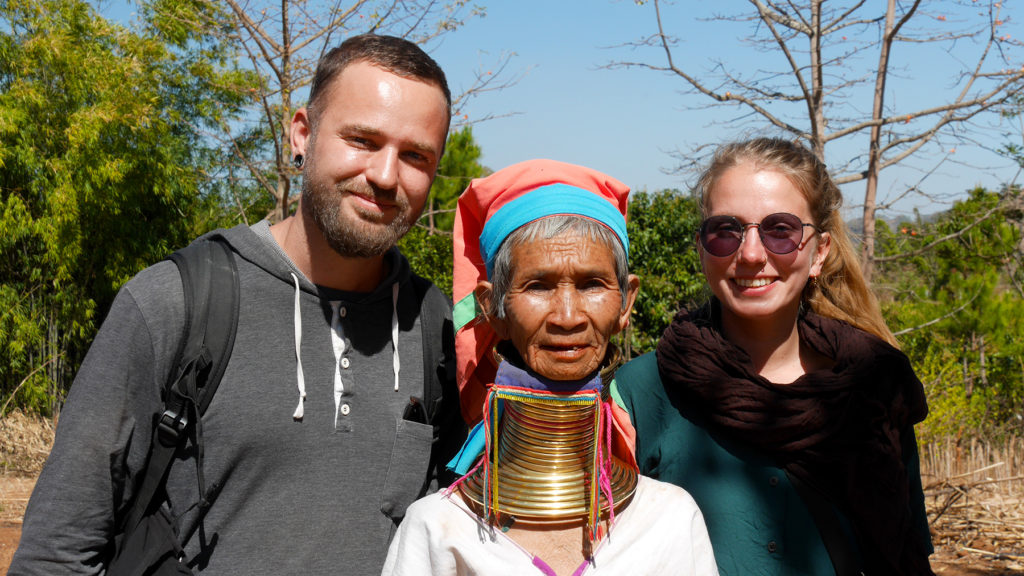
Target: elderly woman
(550, 484)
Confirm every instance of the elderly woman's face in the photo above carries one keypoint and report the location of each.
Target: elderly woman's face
(563, 305)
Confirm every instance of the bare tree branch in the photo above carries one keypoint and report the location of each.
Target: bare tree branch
(808, 40)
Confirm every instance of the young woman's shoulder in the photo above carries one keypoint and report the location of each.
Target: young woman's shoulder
(638, 380)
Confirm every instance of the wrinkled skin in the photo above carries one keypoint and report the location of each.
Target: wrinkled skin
(563, 305)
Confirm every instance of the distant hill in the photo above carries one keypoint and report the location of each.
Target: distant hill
(856, 227)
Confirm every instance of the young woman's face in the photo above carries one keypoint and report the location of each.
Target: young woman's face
(753, 283)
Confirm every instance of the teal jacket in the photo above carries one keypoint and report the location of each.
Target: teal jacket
(756, 519)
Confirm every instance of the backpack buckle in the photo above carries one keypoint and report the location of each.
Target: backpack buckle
(172, 423)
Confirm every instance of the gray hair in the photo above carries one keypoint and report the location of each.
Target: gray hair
(547, 228)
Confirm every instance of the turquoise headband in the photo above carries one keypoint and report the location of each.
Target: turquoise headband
(550, 200)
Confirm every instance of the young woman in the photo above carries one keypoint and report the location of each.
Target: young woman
(783, 405)
(541, 252)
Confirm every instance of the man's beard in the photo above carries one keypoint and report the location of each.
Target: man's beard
(362, 236)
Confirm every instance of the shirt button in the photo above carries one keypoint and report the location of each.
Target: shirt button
(345, 409)
(773, 481)
(344, 362)
(342, 311)
(772, 547)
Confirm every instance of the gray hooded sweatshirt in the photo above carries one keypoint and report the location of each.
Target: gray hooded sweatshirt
(308, 465)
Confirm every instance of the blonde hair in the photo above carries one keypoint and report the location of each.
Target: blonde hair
(840, 291)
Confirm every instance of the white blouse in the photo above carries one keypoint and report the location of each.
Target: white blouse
(660, 532)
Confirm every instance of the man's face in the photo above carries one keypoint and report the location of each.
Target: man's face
(371, 158)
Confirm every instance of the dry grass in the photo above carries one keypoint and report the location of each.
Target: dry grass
(975, 497)
(24, 443)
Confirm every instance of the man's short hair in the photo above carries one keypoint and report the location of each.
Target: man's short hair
(396, 55)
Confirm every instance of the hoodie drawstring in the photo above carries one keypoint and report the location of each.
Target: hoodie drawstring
(394, 330)
(300, 379)
(338, 342)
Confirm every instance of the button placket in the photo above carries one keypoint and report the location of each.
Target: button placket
(341, 363)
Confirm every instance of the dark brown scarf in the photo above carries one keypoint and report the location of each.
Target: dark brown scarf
(839, 430)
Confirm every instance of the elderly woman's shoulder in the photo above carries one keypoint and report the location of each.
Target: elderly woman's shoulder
(662, 531)
(667, 495)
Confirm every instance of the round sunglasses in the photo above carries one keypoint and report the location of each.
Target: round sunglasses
(780, 233)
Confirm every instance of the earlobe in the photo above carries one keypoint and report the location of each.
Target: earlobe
(633, 288)
(482, 293)
(821, 253)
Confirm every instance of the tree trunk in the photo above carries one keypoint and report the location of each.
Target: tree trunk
(982, 369)
(283, 160)
(968, 380)
(814, 108)
(877, 112)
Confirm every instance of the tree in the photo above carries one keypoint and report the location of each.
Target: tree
(101, 171)
(283, 41)
(955, 310)
(826, 55)
(458, 166)
(662, 228)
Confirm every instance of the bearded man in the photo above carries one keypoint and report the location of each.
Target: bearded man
(310, 452)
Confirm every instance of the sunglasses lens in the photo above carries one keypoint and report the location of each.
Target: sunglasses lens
(781, 233)
(721, 235)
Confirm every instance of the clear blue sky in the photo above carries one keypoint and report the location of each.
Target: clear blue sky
(626, 122)
(567, 107)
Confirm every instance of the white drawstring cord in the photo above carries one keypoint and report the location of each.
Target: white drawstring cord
(300, 379)
(394, 330)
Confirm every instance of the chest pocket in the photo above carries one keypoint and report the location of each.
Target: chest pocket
(407, 474)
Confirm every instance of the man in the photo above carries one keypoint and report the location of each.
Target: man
(307, 464)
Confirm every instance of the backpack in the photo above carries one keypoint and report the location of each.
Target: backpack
(147, 541)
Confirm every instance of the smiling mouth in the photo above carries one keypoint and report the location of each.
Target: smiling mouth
(373, 201)
(753, 282)
(567, 349)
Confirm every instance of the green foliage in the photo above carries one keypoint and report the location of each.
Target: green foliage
(458, 166)
(430, 256)
(102, 169)
(960, 300)
(662, 227)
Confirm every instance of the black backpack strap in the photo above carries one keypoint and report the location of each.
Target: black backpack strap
(438, 348)
(209, 280)
(832, 534)
(440, 392)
